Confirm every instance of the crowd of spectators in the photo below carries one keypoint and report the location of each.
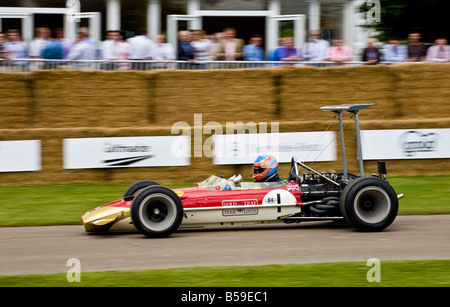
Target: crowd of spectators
(413, 51)
(197, 47)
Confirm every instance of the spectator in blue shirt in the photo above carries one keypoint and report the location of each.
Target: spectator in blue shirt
(82, 50)
(287, 52)
(394, 52)
(15, 48)
(53, 50)
(253, 51)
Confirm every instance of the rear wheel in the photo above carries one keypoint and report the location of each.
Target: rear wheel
(156, 211)
(369, 204)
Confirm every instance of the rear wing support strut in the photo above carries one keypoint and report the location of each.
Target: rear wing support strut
(351, 108)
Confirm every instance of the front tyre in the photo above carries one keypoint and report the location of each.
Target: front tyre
(369, 204)
(156, 212)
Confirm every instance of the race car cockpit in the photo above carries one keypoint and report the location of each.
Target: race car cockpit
(219, 183)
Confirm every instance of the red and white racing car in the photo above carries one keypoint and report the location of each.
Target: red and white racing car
(368, 203)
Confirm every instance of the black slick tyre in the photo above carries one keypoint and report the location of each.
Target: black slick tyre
(139, 185)
(369, 204)
(156, 211)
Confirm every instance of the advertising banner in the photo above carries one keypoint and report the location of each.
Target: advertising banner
(122, 152)
(20, 156)
(245, 148)
(405, 144)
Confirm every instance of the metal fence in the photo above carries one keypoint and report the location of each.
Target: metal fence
(23, 65)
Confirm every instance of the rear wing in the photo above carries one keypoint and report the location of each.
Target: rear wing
(354, 109)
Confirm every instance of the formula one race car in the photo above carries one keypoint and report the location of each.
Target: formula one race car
(368, 203)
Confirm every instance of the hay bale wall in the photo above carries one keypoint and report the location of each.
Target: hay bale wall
(422, 91)
(53, 105)
(16, 102)
(304, 91)
(91, 98)
(219, 95)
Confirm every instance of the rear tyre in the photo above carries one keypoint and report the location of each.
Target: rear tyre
(156, 212)
(139, 185)
(369, 204)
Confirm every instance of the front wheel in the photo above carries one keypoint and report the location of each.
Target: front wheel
(156, 212)
(369, 204)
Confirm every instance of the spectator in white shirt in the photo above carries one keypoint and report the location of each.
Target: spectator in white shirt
(109, 49)
(163, 51)
(140, 48)
(43, 35)
(201, 46)
(316, 49)
(36, 46)
(439, 52)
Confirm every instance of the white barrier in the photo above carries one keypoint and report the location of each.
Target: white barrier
(21, 65)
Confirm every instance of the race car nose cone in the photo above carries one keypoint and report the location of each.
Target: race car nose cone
(102, 218)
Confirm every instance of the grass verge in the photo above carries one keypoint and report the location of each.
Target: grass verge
(423, 273)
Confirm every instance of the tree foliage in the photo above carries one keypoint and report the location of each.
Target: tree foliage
(401, 17)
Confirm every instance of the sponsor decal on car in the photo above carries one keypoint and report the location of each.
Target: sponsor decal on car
(240, 202)
(179, 193)
(243, 203)
(234, 212)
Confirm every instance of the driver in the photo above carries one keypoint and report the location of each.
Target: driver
(265, 169)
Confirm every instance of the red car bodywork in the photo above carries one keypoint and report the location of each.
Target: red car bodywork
(197, 197)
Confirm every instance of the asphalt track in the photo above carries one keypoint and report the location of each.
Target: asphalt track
(38, 250)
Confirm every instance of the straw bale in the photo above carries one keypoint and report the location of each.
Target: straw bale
(15, 101)
(422, 90)
(19, 76)
(414, 69)
(74, 98)
(219, 95)
(304, 90)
